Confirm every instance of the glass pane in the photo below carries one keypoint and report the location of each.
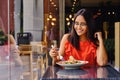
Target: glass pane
(51, 18)
(4, 45)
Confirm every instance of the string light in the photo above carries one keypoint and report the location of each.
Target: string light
(68, 23)
(70, 16)
(73, 5)
(67, 19)
(108, 13)
(113, 12)
(52, 23)
(48, 19)
(53, 19)
(50, 16)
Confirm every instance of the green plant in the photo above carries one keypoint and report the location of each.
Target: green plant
(3, 38)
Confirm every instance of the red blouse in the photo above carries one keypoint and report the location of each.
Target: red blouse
(87, 52)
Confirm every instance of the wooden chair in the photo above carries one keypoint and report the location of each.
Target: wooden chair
(39, 50)
(26, 49)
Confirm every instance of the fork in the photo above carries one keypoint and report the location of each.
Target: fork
(61, 57)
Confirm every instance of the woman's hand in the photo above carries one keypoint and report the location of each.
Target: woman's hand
(98, 35)
(53, 53)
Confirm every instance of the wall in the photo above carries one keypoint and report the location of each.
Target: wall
(17, 9)
(33, 18)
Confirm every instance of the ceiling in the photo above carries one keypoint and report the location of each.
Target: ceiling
(89, 3)
(92, 3)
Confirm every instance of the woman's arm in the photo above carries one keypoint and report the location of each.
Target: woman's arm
(62, 44)
(55, 54)
(102, 58)
(11, 39)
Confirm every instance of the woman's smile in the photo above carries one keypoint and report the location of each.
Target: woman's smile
(80, 31)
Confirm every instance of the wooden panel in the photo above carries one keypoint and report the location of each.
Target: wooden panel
(117, 45)
(46, 6)
(4, 15)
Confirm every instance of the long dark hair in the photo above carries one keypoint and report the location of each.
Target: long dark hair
(74, 38)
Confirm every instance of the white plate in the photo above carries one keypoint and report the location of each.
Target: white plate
(72, 66)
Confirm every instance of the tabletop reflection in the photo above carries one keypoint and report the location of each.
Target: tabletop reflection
(86, 72)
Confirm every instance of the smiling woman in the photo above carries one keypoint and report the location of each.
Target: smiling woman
(84, 42)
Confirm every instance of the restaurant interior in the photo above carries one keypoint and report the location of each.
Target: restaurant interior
(38, 24)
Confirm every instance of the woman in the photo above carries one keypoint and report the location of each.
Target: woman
(83, 42)
(7, 46)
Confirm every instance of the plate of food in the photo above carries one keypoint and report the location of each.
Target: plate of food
(72, 63)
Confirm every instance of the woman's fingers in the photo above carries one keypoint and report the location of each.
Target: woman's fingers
(53, 52)
(95, 35)
(98, 35)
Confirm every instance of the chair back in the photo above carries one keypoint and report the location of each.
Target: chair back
(24, 38)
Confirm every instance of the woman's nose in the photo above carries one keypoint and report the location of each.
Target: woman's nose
(79, 26)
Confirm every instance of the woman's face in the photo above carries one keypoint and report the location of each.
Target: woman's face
(80, 26)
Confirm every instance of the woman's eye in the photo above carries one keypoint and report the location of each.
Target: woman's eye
(83, 24)
(76, 23)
